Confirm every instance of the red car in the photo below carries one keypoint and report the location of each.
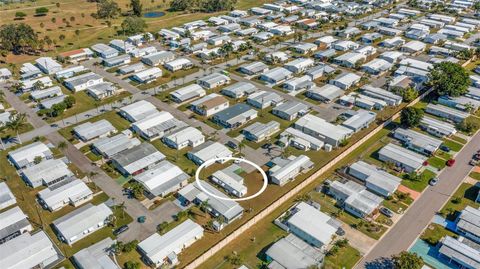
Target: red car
(450, 162)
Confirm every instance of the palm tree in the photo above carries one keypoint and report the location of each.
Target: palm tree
(16, 123)
(62, 145)
(204, 205)
(241, 146)
(122, 207)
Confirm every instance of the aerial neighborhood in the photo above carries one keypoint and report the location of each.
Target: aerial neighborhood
(239, 134)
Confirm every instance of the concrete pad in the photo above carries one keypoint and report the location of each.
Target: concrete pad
(413, 194)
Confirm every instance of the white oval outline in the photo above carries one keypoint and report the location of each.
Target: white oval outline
(264, 175)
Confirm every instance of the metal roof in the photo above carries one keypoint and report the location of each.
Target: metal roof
(138, 157)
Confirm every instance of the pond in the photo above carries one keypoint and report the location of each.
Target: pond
(154, 14)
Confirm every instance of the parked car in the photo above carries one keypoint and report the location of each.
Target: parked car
(433, 181)
(473, 162)
(120, 230)
(232, 145)
(266, 146)
(445, 148)
(387, 212)
(141, 219)
(450, 162)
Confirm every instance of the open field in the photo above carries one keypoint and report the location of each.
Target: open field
(71, 25)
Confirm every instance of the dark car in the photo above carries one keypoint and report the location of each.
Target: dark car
(232, 145)
(433, 181)
(266, 146)
(387, 212)
(445, 148)
(340, 232)
(120, 230)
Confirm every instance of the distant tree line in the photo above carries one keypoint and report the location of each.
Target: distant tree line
(202, 5)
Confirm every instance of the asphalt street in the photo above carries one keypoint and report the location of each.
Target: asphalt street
(401, 236)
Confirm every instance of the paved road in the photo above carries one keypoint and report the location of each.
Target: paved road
(419, 215)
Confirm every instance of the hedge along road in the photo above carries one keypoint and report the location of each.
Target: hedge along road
(224, 159)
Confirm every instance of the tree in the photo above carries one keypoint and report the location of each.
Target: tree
(137, 189)
(407, 260)
(107, 9)
(202, 5)
(18, 38)
(62, 145)
(136, 7)
(133, 25)
(411, 116)
(41, 11)
(16, 123)
(131, 265)
(37, 159)
(20, 15)
(161, 228)
(409, 94)
(448, 78)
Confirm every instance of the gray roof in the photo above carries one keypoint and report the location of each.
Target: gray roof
(455, 249)
(115, 144)
(96, 256)
(213, 78)
(418, 139)
(469, 220)
(402, 155)
(81, 79)
(374, 176)
(291, 107)
(232, 112)
(239, 89)
(162, 177)
(138, 157)
(229, 209)
(12, 221)
(90, 130)
(48, 103)
(444, 127)
(292, 252)
(258, 129)
(361, 118)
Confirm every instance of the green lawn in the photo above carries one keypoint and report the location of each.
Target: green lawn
(459, 139)
(346, 257)
(464, 196)
(419, 185)
(178, 157)
(452, 145)
(475, 175)
(116, 120)
(436, 162)
(84, 102)
(434, 233)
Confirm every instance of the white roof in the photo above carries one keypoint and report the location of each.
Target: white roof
(139, 110)
(6, 195)
(65, 191)
(210, 150)
(158, 247)
(185, 134)
(322, 127)
(27, 251)
(188, 92)
(403, 155)
(161, 177)
(12, 218)
(96, 256)
(29, 152)
(313, 222)
(292, 165)
(90, 130)
(86, 217)
(47, 171)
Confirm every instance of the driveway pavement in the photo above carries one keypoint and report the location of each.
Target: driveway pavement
(401, 236)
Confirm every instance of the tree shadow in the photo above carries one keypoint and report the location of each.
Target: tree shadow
(380, 263)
